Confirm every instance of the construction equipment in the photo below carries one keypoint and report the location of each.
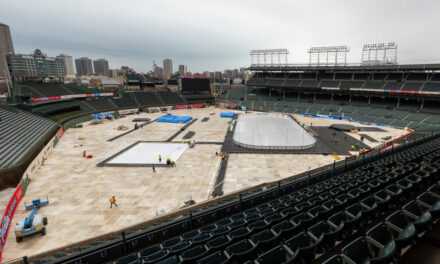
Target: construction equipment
(188, 203)
(34, 223)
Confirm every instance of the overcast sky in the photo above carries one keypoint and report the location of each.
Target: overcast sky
(216, 35)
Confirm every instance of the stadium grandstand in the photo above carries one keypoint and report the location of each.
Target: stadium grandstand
(376, 204)
(403, 96)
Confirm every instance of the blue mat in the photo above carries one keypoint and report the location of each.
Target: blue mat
(227, 115)
(174, 119)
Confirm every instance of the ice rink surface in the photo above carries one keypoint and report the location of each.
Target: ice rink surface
(271, 131)
(148, 153)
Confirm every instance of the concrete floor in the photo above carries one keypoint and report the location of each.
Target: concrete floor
(79, 191)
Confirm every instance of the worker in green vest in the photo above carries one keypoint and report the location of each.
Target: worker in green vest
(160, 158)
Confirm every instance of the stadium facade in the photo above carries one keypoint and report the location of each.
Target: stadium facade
(36, 65)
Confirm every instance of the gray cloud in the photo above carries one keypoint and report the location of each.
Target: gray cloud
(214, 35)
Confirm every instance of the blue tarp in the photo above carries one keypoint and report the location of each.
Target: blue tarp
(181, 119)
(174, 119)
(227, 114)
(101, 115)
(165, 118)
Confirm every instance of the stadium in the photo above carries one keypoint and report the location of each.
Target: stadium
(318, 163)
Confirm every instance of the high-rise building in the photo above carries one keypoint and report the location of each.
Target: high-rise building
(182, 70)
(154, 66)
(101, 66)
(36, 65)
(68, 62)
(6, 47)
(83, 66)
(167, 68)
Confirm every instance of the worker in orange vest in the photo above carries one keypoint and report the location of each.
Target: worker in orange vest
(113, 202)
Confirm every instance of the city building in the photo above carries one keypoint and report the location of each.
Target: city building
(36, 65)
(68, 63)
(158, 72)
(182, 70)
(154, 66)
(6, 47)
(83, 66)
(101, 66)
(242, 71)
(126, 69)
(167, 68)
(113, 73)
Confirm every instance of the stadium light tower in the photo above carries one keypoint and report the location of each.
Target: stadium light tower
(328, 56)
(379, 54)
(269, 57)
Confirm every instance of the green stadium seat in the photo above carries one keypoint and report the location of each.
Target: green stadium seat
(305, 247)
(218, 243)
(382, 245)
(402, 230)
(422, 219)
(242, 250)
(265, 239)
(193, 254)
(218, 257)
(430, 202)
(277, 255)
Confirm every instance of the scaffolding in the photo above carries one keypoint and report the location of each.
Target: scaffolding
(379, 54)
(328, 56)
(269, 57)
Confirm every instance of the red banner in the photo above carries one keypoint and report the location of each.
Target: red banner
(50, 98)
(69, 96)
(190, 106)
(9, 214)
(59, 133)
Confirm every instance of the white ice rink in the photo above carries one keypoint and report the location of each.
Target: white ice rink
(269, 131)
(148, 153)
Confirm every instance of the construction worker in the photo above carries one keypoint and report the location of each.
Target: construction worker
(154, 169)
(168, 161)
(352, 147)
(113, 202)
(160, 158)
(172, 163)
